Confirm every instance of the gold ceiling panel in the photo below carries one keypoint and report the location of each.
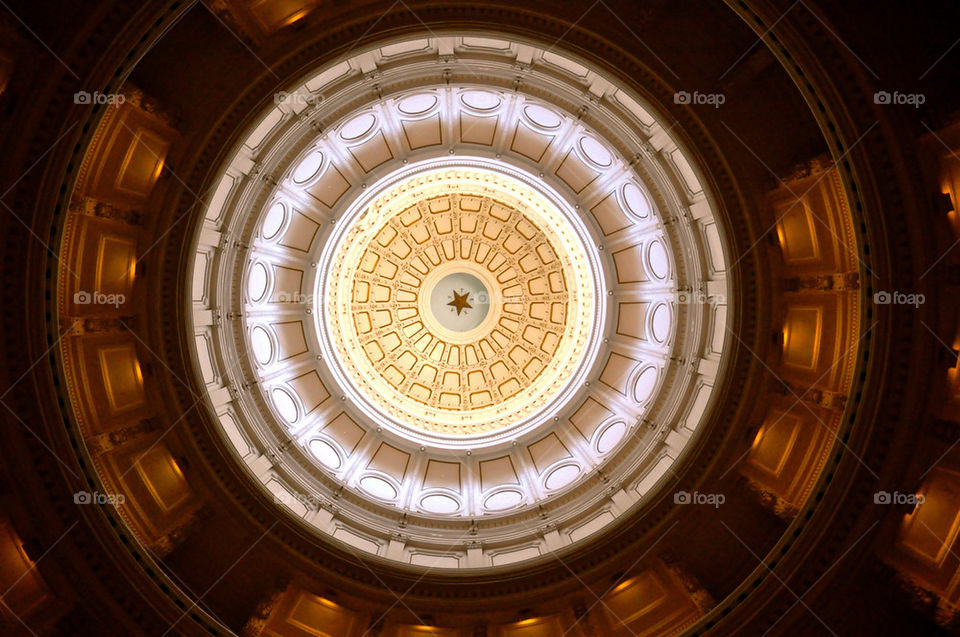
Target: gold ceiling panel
(509, 354)
(478, 358)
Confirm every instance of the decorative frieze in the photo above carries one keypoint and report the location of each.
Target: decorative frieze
(583, 619)
(768, 499)
(836, 282)
(257, 623)
(106, 442)
(698, 593)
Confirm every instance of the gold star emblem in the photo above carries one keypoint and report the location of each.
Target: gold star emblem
(460, 302)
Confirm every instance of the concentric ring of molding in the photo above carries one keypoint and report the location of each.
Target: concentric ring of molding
(542, 114)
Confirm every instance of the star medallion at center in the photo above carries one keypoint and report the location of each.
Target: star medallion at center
(460, 302)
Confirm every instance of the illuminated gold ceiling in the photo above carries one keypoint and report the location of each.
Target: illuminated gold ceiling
(460, 370)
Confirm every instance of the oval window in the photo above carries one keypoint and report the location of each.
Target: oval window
(611, 436)
(660, 324)
(416, 104)
(480, 100)
(285, 405)
(257, 285)
(441, 504)
(378, 488)
(273, 221)
(542, 117)
(595, 152)
(261, 344)
(636, 202)
(659, 264)
(561, 476)
(309, 167)
(358, 126)
(325, 453)
(646, 381)
(503, 500)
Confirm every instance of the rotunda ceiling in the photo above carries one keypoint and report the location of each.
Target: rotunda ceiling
(432, 303)
(457, 324)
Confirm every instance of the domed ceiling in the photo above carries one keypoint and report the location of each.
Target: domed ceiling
(461, 302)
(502, 319)
(450, 300)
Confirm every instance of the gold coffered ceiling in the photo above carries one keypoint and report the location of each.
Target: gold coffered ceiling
(531, 272)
